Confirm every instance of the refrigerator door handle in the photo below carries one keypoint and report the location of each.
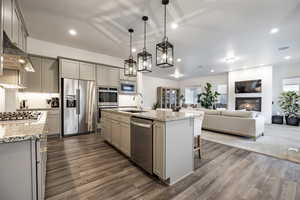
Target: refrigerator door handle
(78, 101)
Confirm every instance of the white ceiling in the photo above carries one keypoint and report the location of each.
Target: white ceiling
(208, 29)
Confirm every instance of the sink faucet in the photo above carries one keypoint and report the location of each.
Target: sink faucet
(141, 99)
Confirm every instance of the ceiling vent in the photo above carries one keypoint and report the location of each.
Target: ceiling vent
(283, 48)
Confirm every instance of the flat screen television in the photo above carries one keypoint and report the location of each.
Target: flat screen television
(252, 86)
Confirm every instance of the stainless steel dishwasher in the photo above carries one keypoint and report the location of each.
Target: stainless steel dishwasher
(142, 143)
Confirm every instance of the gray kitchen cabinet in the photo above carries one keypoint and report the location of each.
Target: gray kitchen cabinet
(53, 122)
(116, 134)
(87, 71)
(114, 77)
(108, 76)
(69, 69)
(50, 75)
(16, 20)
(33, 80)
(13, 24)
(45, 77)
(8, 17)
(23, 170)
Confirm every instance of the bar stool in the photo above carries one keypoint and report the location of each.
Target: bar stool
(197, 129)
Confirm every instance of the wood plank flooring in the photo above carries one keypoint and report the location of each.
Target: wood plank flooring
(85, 167)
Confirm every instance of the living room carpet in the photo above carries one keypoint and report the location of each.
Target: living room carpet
(277, 141)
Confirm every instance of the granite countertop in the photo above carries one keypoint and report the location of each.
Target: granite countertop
(163, 116)
(20, 130)
(37, 109)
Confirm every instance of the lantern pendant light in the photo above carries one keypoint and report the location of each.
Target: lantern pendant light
(144, 58)
(130, 64)
(165, 50)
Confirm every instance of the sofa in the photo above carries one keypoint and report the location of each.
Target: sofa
(242, 123)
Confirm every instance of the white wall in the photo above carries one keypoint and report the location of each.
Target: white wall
(49, 49)
(281, 72)
(263, 73)
(202, 80)
(149, 88)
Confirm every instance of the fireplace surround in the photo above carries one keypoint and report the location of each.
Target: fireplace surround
(248, 103)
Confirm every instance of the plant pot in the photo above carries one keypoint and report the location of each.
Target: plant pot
(292, 121)
(277, 119)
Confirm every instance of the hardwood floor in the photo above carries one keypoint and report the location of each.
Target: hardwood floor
(85, 167)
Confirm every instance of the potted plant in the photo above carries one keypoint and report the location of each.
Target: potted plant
(208, 98)
(289, 103)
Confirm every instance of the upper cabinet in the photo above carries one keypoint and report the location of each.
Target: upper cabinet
(108, 76)
(126, 78)
(77, 70)
(50, 75)
(8, 17)
(69, 69)
(87, 71)
(33, 80)
(13, 23)
(45, 77)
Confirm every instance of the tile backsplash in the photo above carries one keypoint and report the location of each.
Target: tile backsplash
(35, 100)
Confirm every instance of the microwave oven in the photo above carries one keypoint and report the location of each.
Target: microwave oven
(128, 87)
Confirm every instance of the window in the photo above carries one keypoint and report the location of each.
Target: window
(223, 98)
(191, 95)
(291, 88)
(291, 85)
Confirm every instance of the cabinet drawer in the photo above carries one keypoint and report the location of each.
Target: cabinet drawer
(53, 112)
(115, 117)
(125, 119)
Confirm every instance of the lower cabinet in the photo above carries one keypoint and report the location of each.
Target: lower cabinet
(53, 123)
(125, 138)
(117, 132)
(106, 129)
(159, 150)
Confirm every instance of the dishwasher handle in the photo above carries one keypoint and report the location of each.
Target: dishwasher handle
(141, 125)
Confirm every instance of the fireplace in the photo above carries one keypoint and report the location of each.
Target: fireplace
(248, 103)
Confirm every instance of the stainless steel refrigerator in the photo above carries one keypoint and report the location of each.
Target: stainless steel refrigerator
(79, 107)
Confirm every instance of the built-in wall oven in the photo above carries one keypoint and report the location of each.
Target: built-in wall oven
(108, 96)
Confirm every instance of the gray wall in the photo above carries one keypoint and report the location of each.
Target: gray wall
(281, 72)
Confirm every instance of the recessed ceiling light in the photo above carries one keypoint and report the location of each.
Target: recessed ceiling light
(212, 71)
(261, 64)
(287, 57)
(72, 32)
(274, 30)
(174, 25)
(178, 59)
(133, 50)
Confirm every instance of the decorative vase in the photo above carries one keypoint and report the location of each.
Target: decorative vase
(277, 119)
(292, 121)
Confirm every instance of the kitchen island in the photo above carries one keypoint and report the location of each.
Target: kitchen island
(23, 156)
(173, 133)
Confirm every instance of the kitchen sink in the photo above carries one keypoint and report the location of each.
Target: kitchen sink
(134, 111)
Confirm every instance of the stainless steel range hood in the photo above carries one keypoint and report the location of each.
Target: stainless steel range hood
(13, 57)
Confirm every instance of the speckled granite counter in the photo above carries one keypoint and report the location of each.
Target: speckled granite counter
(163, 116)
(16, 131)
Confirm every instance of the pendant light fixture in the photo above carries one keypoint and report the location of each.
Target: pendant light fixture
(130, 64)
(144, 58)
(165, 50)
